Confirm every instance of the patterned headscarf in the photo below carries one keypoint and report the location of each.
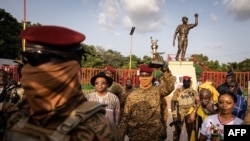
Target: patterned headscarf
(212, 89)
(48, 88)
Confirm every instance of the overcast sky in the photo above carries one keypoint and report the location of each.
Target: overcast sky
(222, 33)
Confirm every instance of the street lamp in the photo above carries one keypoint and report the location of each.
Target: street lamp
(131, 34)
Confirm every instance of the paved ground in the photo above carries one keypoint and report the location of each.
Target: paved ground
(170, 130)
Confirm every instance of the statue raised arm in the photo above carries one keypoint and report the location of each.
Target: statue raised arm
(182, 32)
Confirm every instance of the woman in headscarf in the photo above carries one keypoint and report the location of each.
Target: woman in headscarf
(205, 104)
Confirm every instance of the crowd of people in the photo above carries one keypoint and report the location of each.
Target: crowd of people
(51, 105)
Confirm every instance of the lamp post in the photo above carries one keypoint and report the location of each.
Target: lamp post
(131, 34)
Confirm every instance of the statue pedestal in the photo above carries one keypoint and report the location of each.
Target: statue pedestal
(156, 64)
(181, 68)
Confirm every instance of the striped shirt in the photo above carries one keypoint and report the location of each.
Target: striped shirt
(112, 102)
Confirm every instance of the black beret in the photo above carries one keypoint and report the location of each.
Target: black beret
(55, 37)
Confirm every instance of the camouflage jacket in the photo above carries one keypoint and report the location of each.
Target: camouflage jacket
(122, 99)
(186, 99)
(15, 95)
(142, 119)
(116, 89)
(95, 128)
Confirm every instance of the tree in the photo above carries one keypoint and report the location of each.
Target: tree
(10, 41)
(146, 59)
(135, 61)
(244, 65)
(93, 59)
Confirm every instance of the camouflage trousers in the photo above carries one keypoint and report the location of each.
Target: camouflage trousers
(179, 126)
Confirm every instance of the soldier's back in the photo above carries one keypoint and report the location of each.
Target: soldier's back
(93, 128)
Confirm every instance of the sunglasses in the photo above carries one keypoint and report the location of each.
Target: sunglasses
(39, 57)
(100, 83)
(146, 75)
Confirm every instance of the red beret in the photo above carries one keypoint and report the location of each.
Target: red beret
(145, 68)
(186, 78)
(53, 36)
(109, 68)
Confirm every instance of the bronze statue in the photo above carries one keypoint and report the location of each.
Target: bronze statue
(154, 48)
(183, 31)
(157, 60)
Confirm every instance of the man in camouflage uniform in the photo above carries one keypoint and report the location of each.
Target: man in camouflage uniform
(115, 88)
(15, 94)
(183, 98)
(142, 119)
(123, 97)
(50, 79)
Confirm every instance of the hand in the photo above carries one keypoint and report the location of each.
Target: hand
(167, 74)
(197, 102)
(165, 68)
(215, 138)
(196, 15)
(210, 107)
(174, 114)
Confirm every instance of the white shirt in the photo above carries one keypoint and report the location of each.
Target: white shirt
(112, 102)
(213, 120)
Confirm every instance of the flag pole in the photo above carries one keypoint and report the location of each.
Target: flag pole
(24, 22)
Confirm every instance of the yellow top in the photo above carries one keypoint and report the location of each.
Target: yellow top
(199, 112)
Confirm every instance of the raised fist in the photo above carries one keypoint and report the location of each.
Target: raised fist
(196, 15)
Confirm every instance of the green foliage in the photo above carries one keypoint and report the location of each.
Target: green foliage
(198, 70)
(98, 57)
(87, 87)
(146, 59)
(10, 42)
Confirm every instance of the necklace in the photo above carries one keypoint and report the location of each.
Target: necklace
(224, 121)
